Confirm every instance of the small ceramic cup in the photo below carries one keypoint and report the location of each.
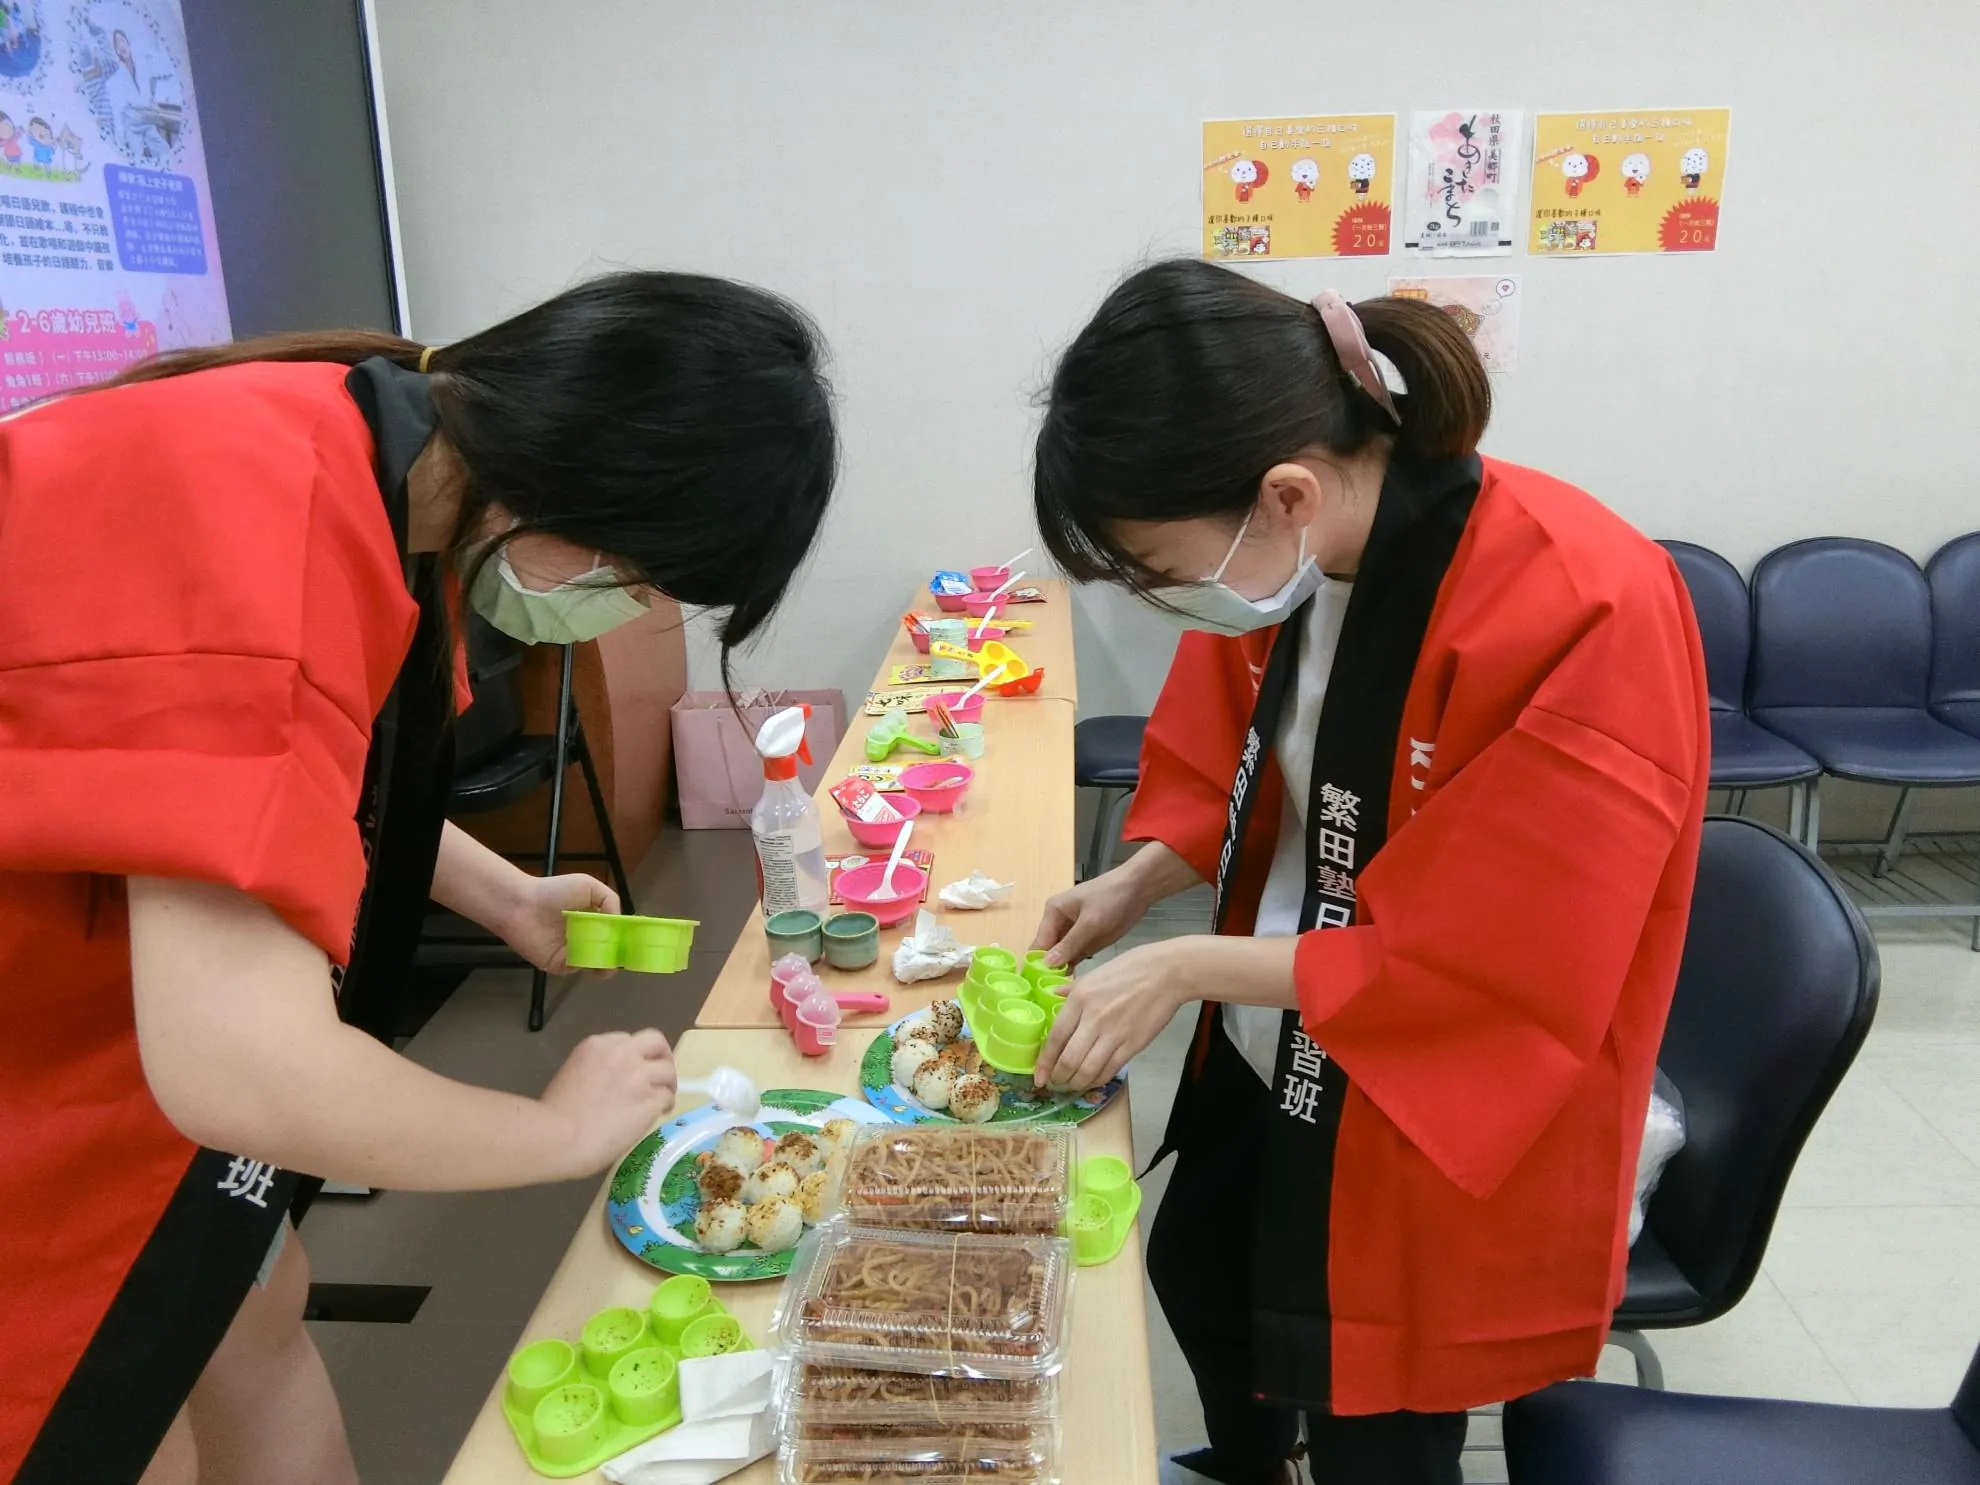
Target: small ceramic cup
(852, 940)
(796, 932)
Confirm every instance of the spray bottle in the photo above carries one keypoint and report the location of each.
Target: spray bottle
(790, 850)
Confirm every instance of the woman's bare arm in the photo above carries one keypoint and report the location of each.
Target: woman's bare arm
(243, 1050)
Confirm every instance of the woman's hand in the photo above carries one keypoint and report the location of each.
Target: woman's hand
(534, 924)
(611, 1091)
(1113, 1012)
(1083, 920)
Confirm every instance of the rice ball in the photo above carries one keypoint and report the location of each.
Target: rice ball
(837, 1136)
(947, 1017)
(801, 1152)
(909, 1059)
(775, 1224)
(719, 1182)
(935, 1084)
(921, 1021)
(740, 1148)
(974, 1100)
(720, 1226)
(815, 1195)
(768, 1182)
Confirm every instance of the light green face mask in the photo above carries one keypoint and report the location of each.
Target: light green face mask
(574, 611)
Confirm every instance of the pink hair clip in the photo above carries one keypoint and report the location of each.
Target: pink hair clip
(1351, 345)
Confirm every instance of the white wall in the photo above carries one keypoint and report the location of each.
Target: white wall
(950, 188)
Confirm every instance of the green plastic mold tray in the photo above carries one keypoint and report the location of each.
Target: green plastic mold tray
(651, 946)
(574, 1405)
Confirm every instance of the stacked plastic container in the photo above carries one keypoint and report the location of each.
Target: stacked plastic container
(924, 1327)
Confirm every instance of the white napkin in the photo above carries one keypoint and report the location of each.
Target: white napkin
(930, 952)
(977, 890)
(726, 1425)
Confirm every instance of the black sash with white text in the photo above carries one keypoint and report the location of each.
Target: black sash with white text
(1418, 523)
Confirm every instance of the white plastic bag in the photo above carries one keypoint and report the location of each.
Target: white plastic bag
(1663, 1137)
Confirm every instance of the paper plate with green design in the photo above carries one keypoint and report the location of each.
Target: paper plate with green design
(1018, 1100)
(656, 1192)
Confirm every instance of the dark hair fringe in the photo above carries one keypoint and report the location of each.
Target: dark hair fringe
(1191, 381)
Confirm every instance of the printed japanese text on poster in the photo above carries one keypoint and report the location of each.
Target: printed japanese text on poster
(1461, 195)
(1485, 307)
(107, 244)
(1628, 181)
(1311, 187)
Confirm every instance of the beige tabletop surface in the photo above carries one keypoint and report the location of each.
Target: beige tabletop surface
(1016, 824)
(1108, 1408)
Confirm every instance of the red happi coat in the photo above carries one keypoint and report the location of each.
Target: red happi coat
(202, 609)
(1498, 1002)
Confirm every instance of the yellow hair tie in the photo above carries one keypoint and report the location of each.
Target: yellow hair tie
(426, 358)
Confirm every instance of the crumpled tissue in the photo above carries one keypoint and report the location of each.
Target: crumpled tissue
(726, 1425)
(977, 890)
(930, 952)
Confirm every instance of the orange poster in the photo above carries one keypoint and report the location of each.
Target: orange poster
(1310, 187)
(1629, 181)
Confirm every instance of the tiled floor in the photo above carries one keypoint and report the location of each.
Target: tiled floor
(1870, 1291)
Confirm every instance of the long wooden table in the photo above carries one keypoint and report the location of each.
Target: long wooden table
(1017, 826)
(1108, 1407)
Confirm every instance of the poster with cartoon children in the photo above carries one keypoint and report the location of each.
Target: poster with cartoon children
(109, 251)
(1628, 181)
(1307, 187)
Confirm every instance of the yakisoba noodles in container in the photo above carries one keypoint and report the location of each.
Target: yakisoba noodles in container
(951, 1460)
(949, 1305)
(954, 1178)
(853, 1397)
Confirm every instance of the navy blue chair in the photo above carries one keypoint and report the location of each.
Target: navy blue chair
(1775, 995)
(1745, 755)
(1589, 1433)
(1842, 666)
(1954, 579)
(1953, 576)
(1107, 757)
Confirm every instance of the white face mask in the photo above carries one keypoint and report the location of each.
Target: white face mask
(574, 611)
(1214, 605)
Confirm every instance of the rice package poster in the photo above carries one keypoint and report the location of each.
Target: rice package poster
(1640, 181)
(1460, 198)
(108, 251)
(1311, 187)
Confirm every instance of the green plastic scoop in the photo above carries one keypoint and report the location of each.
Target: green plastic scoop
(891, 732)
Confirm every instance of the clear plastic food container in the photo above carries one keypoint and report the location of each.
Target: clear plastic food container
(835, 1395)
(961, 1458)
(933, 1303)
(955, 1178)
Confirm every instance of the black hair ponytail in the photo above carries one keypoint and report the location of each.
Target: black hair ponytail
(1191, 381)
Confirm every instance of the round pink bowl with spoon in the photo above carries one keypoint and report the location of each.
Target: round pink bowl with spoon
(857, 889)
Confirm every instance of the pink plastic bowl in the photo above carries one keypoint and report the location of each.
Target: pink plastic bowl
(973, 712)
(921, 639)
(881, 836)
(976, 605)
(952, 603)
(978, 638)
(988, 579)
(857, 886)
(937, 787)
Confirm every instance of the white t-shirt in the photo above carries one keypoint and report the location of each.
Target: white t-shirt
(1253, 1029)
